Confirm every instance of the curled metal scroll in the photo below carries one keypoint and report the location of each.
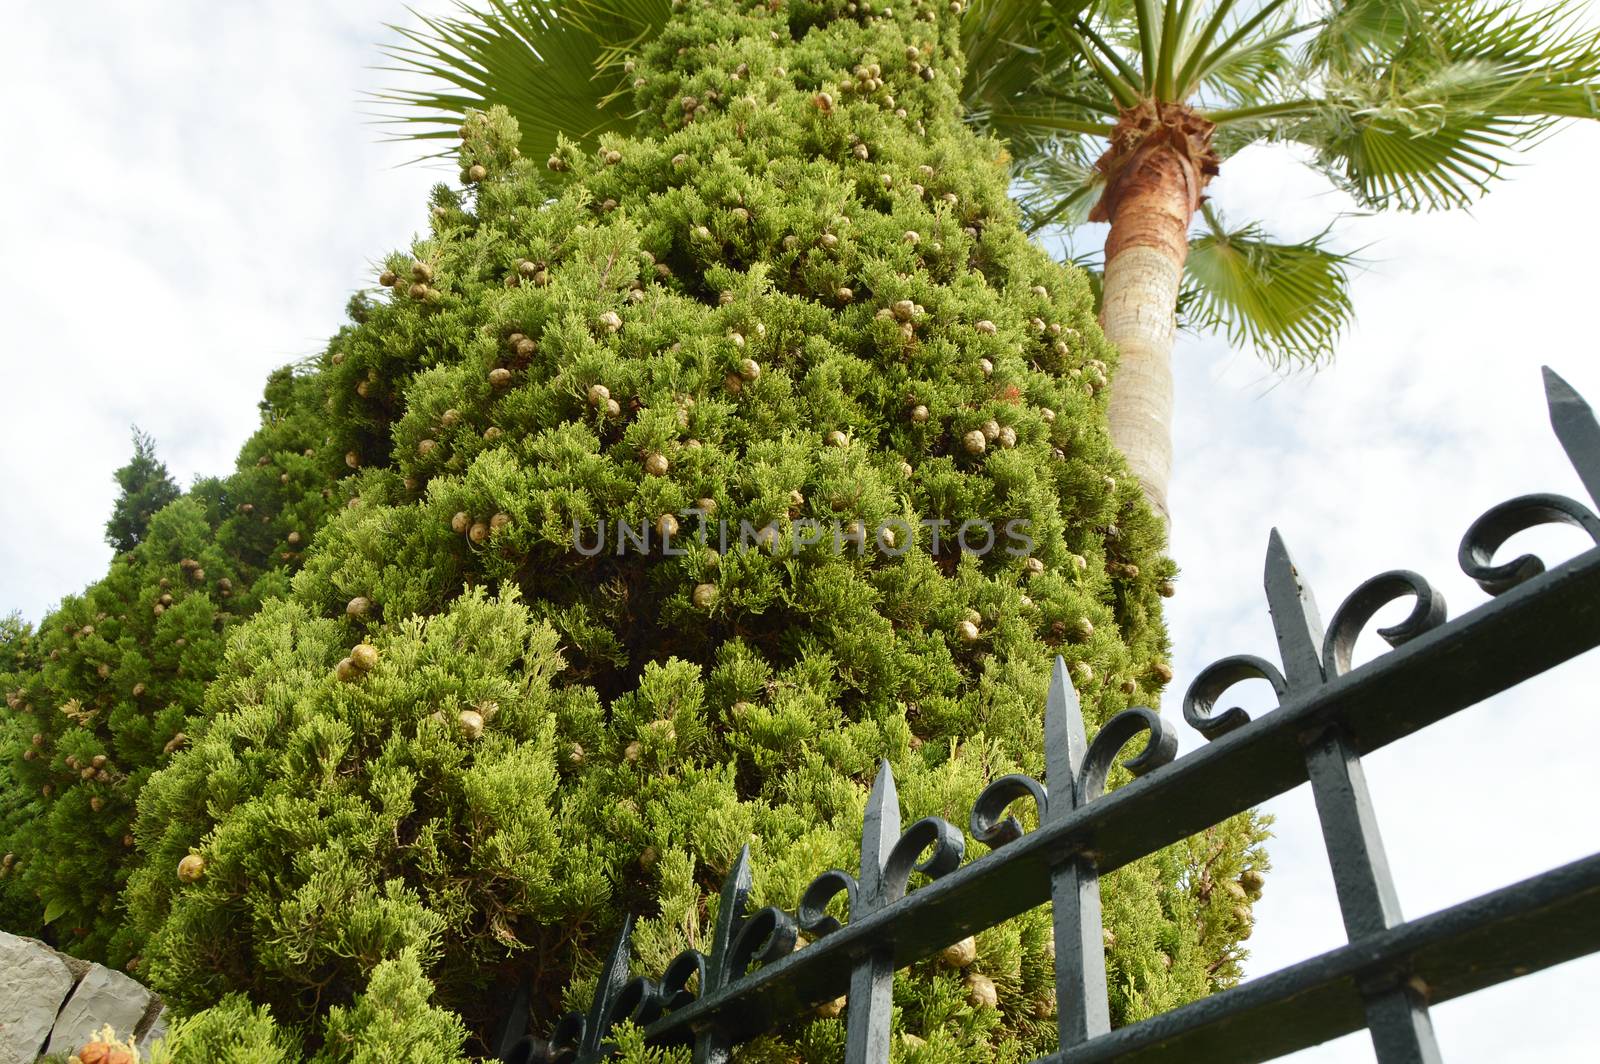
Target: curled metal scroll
(813, 912)
(528, 1050)
(1217, 679)
(568, 1038)
(947, 843)
(989, 824)
(1159, 749)
(764, 937)
(675, 992)
(1489, 532)
(1364, 603)
(639, 1001)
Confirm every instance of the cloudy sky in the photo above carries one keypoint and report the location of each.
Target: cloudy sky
(195, 192)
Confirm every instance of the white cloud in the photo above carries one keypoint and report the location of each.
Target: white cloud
(194, 192)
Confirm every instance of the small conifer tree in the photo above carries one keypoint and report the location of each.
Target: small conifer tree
(146, 487)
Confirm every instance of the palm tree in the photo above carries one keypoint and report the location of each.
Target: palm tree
(1123, 111)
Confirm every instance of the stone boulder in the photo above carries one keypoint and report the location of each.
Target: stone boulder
(35, 983)
(102, 997)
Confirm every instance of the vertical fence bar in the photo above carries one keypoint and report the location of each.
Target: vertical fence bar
(712, 1044)
(1397, 1017)
(870, 1007)
(1082, 1009)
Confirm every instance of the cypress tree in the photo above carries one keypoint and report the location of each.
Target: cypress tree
(464, 741)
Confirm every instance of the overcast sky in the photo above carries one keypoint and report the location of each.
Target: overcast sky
(194, 193)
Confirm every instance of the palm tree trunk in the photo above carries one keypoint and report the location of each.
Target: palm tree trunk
(1157, 169)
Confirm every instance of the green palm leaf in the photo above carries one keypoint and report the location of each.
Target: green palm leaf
(1425, 111)
(1058, 188)
(555, 64)
(1289, 302)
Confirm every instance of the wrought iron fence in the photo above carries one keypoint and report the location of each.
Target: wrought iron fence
(1329, 715)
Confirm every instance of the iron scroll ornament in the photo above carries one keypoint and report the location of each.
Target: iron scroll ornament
(1575, 428)
(1216, 680)
(740, 941)
(1357, 610)
(938, 838)
(1081, 767)
(1312, 658)
(1490, 532)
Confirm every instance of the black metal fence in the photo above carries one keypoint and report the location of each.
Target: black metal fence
(1329, 716)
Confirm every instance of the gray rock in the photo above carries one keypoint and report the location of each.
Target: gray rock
(102, 997)
(157, 1031)
(35, 983)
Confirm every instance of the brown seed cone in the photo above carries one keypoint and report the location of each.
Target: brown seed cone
(960, 954)
(832, 1009)
(191, 868)
(364, 656)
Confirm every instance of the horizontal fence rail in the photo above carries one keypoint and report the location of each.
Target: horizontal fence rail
(1329, 715)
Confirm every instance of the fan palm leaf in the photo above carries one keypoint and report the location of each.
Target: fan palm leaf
(555, 64)
(1287, 301)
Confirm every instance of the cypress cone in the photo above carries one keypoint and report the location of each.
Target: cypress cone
(752, 711)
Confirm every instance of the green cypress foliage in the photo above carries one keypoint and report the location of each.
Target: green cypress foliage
(104, 692)
(464, 742)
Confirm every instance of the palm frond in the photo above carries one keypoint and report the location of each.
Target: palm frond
(1289, 302)
(1432, 118)
(552, 63)
(1356, 33)
(1030, 76)
(1059, 187)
